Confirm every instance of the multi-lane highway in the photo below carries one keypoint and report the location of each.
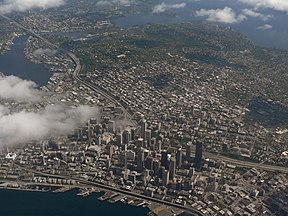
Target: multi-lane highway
(115, 189)
(94, 87)
(249, 164)
(77, 70)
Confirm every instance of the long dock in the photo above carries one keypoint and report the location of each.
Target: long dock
(62, 189)
(117, 198)
(87, 191)
(108, 195)
(163, 210)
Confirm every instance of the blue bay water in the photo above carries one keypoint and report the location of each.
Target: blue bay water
(22, 203)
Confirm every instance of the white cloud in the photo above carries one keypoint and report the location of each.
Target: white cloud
(21, 127)
(265, 27)
(48, 52)
(225, 15)
(280, 5)
(252, 13)
(8, 6)
(160, 8)
(111, 2)
(14, 88)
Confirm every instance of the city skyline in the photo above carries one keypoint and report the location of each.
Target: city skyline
(166, 105)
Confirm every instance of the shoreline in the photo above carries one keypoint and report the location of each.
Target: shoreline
(23, 189)
(83, 192)
(17, 202)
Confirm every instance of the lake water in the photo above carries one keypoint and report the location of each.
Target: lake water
(14, 62)
(276, 37)
(20, 203)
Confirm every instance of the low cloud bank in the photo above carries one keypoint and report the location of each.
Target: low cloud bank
(160, 8)
(225, 15)
(8, 6)
(24, 126)
(48, 52)
(14, 88)
(21, 126)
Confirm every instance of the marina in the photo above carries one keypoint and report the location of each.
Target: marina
(110, 197)
(18, 202)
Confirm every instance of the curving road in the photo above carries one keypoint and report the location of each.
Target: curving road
(75, 76)
(77, 70)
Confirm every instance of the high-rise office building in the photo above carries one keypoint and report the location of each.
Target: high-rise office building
(98, 140)
(111, 126)
(143, 128)
(139, 143)
(111, 150)
(164, 159)
(165, 178)
(191, 172)
(98, 129)
(156, 166)
(159, 145)
(108, 163)
(119, 139)
(225, 147)
(125, 161)
(145, 144)
(133, 133)
(161, 172)
(188, 150)
(132, 178)
(126, 136)
(179, 157)
(140, 160)
(148, 137)
(172, 168)
(153, 143)
(149, 163)
(198, 154)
